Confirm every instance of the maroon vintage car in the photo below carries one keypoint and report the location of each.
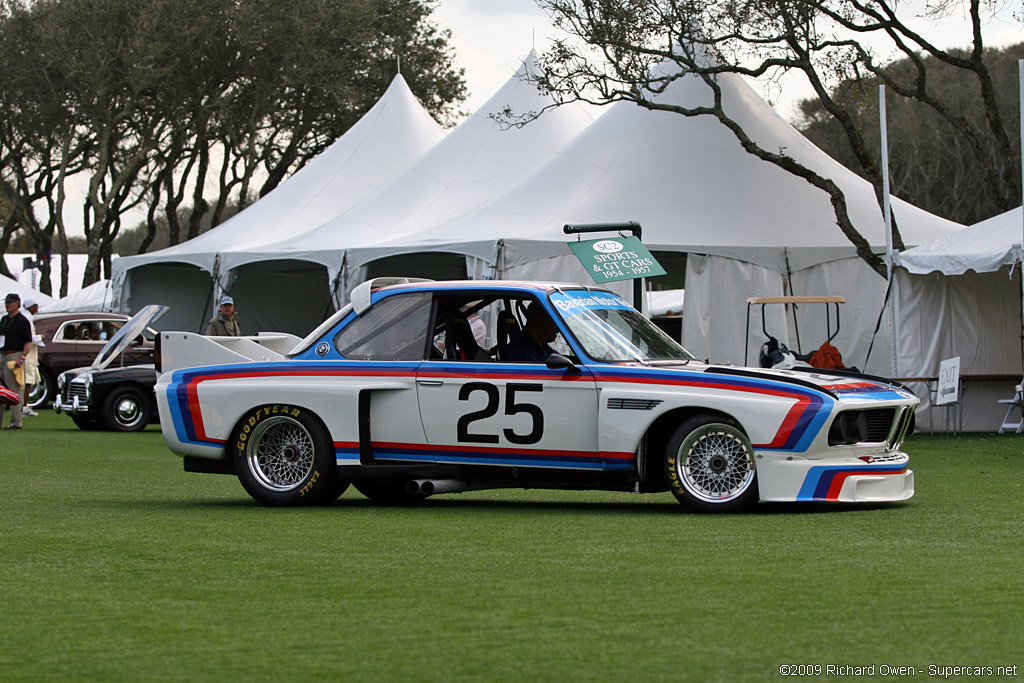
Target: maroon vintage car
(71, 340)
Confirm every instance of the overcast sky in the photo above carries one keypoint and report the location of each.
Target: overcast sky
(491, 38)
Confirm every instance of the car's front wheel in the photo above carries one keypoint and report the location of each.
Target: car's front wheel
(126, 410)
(284, 456)
(709, 463)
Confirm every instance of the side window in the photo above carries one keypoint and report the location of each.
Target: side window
(394, 329)
(462, 331)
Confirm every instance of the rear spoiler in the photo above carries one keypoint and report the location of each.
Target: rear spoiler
(177, 350)
(360, 297)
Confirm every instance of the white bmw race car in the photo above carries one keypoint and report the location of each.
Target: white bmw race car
(419, 388)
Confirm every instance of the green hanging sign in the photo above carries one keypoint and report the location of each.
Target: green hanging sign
(616, 258)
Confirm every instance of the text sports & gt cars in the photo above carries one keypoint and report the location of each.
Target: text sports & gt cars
(419, 388)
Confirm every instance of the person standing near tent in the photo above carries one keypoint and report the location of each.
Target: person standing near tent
(32, 377)
(225, 323)
(15, 343)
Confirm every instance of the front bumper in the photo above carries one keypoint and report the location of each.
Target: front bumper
(72, 403)
(885, 478)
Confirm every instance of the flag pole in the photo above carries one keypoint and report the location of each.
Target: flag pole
(887, 212)
(1020, 78)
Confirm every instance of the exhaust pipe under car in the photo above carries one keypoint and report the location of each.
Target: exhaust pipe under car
(429, 487)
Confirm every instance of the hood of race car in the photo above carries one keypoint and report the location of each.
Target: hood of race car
(848, 387)
(851, 386)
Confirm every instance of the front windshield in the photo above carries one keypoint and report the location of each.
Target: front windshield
(610, 330)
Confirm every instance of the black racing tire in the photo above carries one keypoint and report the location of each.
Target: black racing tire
(126, 409)
(86, 422)
(709, 464)
(387, 492)
(284, 457)
(40, 394)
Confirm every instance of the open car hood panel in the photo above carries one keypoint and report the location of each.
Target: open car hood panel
(129, 331)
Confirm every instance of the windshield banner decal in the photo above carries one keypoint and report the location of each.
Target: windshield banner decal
(578, 301)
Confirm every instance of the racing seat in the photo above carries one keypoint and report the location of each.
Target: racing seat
(507, 326)
(461, 342)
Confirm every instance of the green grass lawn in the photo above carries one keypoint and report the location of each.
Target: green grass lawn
(117, 565)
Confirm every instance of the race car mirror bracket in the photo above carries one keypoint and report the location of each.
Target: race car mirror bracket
(557, 361)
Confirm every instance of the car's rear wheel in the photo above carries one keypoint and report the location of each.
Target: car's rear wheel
(709, 463)
(387, 492)
(284, 456)
(126, 410)
(42, 392)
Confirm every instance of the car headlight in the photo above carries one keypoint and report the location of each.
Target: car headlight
(849, 427)
(62, 381)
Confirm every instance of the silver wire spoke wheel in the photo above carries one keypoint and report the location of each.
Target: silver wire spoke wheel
(280, 453)
(715, 464)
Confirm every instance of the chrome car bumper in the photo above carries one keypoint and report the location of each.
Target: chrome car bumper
(71, 405)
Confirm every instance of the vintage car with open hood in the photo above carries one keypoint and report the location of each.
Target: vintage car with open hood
(111, 393)
(418, 388)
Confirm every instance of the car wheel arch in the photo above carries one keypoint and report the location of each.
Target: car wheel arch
(656, 438)
(244, 414)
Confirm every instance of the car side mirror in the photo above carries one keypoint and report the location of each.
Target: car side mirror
(557, 361)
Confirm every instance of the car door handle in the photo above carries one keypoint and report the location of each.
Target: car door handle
(430, 382)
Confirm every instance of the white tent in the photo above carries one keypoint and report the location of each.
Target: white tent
(960, 295)
(475, 162)
(984, 247)
(96, 297)
(7, 286)
(385, 141)
(665, 302)
(748, 227)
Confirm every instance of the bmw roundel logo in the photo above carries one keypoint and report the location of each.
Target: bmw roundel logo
(322, 348)
(607, 246)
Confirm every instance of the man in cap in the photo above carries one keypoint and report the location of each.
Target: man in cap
(15, 343)
(225, 323)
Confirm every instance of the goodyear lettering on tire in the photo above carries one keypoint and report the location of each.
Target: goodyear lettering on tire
(267, 411)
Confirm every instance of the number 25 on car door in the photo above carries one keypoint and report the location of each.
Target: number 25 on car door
(520, 415)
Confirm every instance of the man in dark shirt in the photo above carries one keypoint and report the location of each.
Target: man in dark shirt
(530, 344)
(16, 336)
